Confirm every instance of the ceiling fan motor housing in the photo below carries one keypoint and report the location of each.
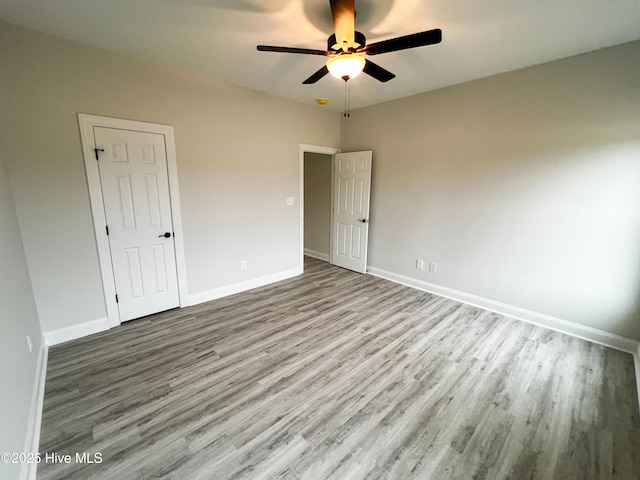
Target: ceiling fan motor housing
(360, 41)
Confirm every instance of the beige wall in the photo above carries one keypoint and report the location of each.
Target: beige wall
(18, 318)
(238, 160)
(317, 202)
(524, 187)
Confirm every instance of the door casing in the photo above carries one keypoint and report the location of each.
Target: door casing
(87, 123)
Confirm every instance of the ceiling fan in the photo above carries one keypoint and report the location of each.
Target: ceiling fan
(346, 46)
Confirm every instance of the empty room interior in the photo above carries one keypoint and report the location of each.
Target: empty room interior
(219, 264)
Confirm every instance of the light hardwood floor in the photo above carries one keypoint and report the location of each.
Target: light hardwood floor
(343, 376)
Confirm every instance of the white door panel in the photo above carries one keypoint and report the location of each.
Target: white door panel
(135, 188)
(352, 179)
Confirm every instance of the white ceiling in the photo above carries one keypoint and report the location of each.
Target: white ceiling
(218, 37)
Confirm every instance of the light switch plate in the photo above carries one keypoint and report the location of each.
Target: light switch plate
(289, 201)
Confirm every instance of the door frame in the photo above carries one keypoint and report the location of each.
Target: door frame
(87, 123)
(307, 148)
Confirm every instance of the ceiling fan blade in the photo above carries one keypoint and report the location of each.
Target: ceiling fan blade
(344, 13)
(304, 51)
(377, 72)
(316, 76)
(430, 37)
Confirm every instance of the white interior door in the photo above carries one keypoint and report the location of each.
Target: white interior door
(135, 190)
(352, 187)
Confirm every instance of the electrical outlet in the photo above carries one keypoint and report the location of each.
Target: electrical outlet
(29, 343)
(433, 267)
(420, 264)
(243, 265)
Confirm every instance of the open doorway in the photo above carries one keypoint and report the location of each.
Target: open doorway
(344, 203)
(317, 205)
(315, 162)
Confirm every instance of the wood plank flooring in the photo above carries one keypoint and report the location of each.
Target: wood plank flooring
(335, 375)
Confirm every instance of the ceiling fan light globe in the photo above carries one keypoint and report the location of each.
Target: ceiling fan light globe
(349, 66)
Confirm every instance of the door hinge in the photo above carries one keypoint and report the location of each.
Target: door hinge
(117, 298)
(96, 150)
(107, 227)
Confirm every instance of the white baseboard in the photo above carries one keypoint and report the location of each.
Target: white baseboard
(315, 254)
(73, 332)
(570, 328)
(31, 444)
(225, 291)
(65, 334)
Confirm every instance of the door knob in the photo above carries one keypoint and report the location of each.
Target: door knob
(165, 235)
(363, 220)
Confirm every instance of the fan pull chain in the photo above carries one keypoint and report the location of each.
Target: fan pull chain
(347, 100)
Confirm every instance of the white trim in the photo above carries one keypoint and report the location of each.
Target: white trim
(636, 364)
(333, 241)
(54, 337)
(570, 328)
(87, 123)
(307, 148)
(32, 441)
(242, 286)
(318, 255)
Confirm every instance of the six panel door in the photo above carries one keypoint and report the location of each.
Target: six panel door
(352, 186)
(135, 188)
